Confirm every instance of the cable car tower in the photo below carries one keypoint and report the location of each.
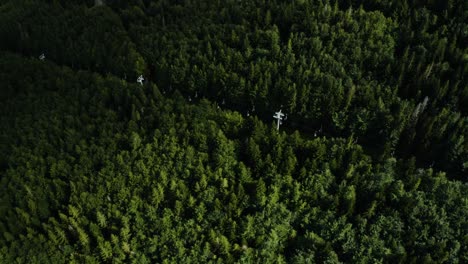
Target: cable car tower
(278, 116)
(140, 79)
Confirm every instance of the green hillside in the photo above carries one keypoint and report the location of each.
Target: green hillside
(370, 166)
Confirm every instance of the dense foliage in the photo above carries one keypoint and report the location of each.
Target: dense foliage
(370, 166)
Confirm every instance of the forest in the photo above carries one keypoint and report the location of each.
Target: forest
(370, 165)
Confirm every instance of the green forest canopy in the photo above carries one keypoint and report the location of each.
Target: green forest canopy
(370, 166)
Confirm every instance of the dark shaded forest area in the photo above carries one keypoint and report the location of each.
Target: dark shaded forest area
(370, 166)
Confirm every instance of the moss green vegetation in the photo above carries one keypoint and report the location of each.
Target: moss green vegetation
(370, 167)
